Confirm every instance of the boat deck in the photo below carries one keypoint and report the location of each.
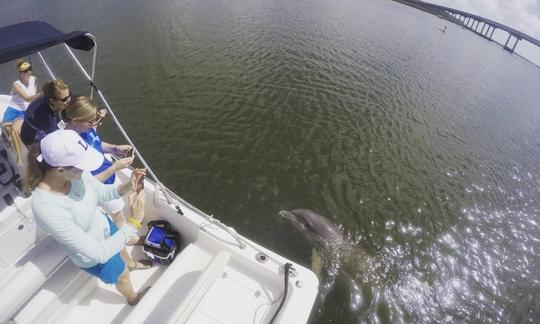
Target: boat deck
(199, 287)
(71, 295)
(208, 282)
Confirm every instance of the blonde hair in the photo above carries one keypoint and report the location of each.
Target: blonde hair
(35, 171)
(80, 108)
(51, 88)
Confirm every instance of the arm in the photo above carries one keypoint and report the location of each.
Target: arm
(106, 174)
(59, 223)
(136, 175)
(117, 165)
(110, 192)
(105, 192)
(120, 150)
(21, 92)
(108, 148)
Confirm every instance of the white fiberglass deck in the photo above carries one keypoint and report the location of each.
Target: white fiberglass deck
(199, 287)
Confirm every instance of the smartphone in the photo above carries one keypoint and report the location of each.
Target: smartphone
(140, 184)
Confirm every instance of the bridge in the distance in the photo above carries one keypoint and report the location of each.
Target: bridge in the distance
(480, 25)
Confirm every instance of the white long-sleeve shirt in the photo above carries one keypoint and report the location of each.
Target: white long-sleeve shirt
(76, 222)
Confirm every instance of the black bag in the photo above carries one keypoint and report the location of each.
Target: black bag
(162, 243)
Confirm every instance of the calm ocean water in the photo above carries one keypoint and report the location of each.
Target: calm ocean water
(422, 145)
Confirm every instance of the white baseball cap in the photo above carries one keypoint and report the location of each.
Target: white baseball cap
(64, 147)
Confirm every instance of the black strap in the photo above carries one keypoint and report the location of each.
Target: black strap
(165, 247)
(160, 223)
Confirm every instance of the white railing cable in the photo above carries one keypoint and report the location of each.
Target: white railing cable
(229, 230)
(120, 128)
(242, 242)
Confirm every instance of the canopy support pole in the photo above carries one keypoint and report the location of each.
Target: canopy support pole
(49, 71)
(94, 58)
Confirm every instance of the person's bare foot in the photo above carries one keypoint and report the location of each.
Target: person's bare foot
(142, 264)
(137, 240)
(137, 299)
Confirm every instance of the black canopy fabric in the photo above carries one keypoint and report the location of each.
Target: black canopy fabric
(26, 38)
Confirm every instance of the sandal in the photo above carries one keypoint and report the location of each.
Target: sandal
(142, 264)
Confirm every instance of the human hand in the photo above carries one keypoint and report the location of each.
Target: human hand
(122, 163)
(136, 205)
(136, 176)
(99, 117)
(122, 150)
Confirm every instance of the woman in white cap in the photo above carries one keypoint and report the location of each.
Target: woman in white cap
(65, 204)
(23, 91)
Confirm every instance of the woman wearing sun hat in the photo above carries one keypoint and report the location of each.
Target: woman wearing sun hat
(65, 204)
(23, 91)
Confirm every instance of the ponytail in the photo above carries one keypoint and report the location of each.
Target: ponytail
(35, 170)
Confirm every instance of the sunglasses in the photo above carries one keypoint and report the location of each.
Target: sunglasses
(63, 100)
(27, 71)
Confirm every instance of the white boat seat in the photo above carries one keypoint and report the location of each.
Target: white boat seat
(59, 290)
(31, 273)
(180, 289)
(203, 284)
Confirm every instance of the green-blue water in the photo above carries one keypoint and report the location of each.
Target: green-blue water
(422, 145)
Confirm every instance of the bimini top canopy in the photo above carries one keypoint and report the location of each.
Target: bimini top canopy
(26, 38)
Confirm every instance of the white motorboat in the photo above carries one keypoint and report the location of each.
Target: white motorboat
(219, 276)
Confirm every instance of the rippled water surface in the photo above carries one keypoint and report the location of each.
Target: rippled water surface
(423, 146)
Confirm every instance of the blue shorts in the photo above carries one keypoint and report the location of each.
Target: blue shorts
(11, 114)
(110, 271)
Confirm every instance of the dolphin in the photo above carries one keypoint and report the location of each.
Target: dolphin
(317, 229)
(326, 238)
(334, 253)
